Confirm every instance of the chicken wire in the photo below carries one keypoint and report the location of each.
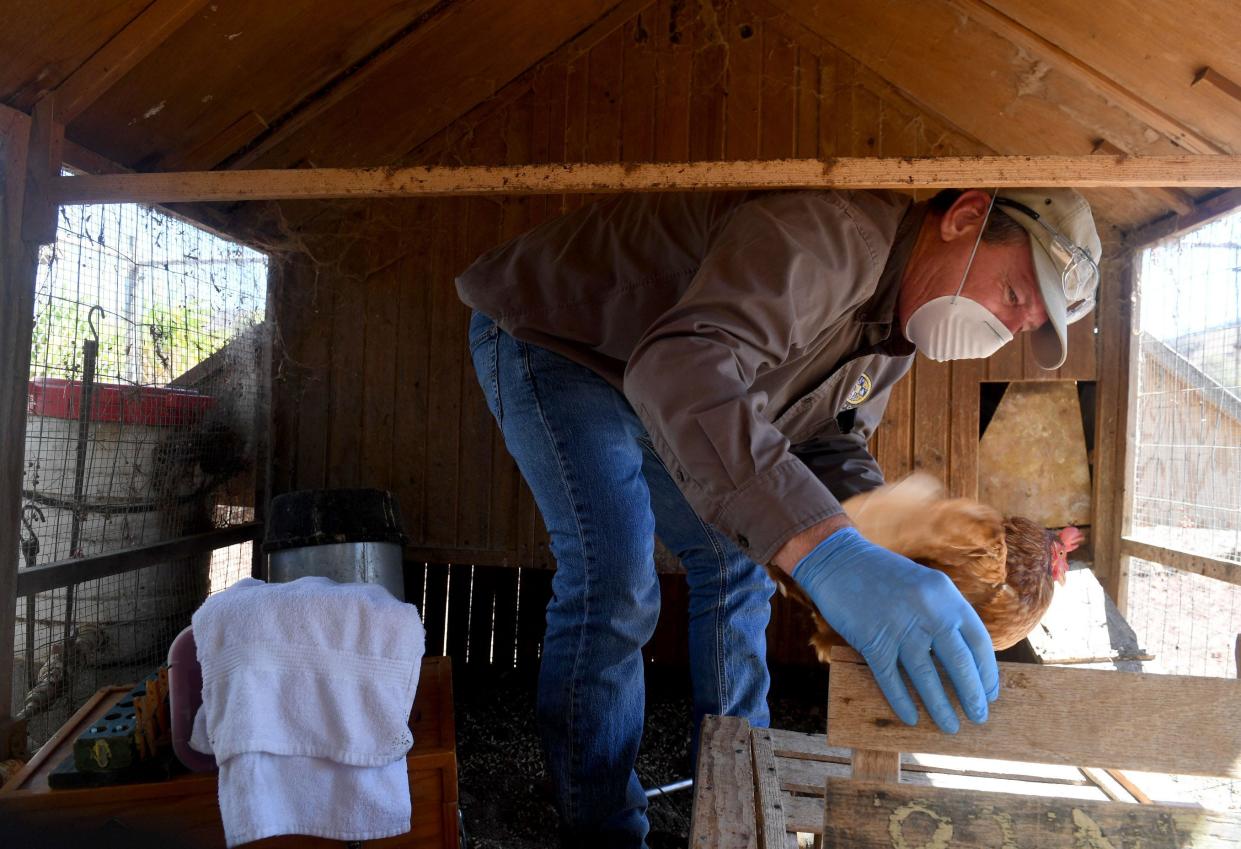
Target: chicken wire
(145, 379)
(1187, 448)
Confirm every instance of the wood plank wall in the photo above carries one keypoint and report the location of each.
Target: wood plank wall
(372, 381)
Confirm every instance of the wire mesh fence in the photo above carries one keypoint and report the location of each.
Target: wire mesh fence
(1187, 467)
(145, 381)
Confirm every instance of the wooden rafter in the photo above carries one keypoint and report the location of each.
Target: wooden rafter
(341, 86)
(1177, 200)
(1205, 209)
(429, 28)
(1069, 64)
(122, 53)
(844, 172)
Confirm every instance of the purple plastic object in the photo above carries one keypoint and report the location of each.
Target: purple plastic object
(185, 697)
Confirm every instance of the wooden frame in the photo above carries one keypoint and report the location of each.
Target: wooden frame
(18, 258)
(1117, 420)
(64, 573)
(845, 172)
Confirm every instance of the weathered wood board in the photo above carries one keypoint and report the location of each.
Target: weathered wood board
(724, 795)
(865, 815)
(1168, 723)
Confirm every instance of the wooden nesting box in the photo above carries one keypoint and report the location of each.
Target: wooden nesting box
(184, 811)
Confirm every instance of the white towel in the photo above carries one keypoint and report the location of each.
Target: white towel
(307, 688)
(264, 795)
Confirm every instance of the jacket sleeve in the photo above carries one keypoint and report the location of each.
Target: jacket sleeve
(783, 268)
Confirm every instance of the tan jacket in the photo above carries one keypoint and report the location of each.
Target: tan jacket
(751, 332)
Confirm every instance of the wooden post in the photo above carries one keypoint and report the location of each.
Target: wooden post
(17, 266)
(30, 155)
(43, 158)
(1112, 426)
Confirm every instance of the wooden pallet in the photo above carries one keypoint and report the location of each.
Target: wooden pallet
(762, 787)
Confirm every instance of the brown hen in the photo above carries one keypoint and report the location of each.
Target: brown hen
(1005, 567)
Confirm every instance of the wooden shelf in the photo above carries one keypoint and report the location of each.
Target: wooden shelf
(184, 809)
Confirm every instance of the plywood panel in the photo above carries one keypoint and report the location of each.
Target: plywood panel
(495, 40)
(226, 62)
(1161, 77)
(41, 45)
(1032, 460)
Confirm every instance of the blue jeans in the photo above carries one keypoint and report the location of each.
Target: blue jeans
(604, 495)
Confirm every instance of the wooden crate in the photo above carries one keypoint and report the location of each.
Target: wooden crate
(185, 811)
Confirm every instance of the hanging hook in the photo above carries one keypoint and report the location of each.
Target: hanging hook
(90, 320)
(30, 544)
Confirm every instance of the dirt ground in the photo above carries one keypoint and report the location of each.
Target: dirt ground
(503, 801)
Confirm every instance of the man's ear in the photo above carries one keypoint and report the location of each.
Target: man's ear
(965, 216)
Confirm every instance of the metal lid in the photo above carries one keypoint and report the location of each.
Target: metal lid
(329, 516)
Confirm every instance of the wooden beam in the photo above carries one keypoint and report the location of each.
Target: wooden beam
(842, 173)
(1181, 202)
(65, 573)
(43, 160)
(17, 276)
(1219, 82)
(1199, 564)
(1050, 714)
(1086, 74)
(122, 53)
(1170, 227)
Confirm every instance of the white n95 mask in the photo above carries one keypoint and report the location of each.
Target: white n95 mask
(953, 327)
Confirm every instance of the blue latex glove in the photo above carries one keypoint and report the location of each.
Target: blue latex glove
(891, 609)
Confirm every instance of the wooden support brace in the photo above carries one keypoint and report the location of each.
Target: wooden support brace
(1177, 200)
(841, 173)
(1219, 82)
(1199, 564)
(47, 139)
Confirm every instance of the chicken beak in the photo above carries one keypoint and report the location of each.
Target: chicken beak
(1062, 578)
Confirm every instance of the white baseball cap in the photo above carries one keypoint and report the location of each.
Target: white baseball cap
(1066, 250)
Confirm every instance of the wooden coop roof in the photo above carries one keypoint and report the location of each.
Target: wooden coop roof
(185, 85)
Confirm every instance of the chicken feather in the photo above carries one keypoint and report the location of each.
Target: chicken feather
(1004, 567)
